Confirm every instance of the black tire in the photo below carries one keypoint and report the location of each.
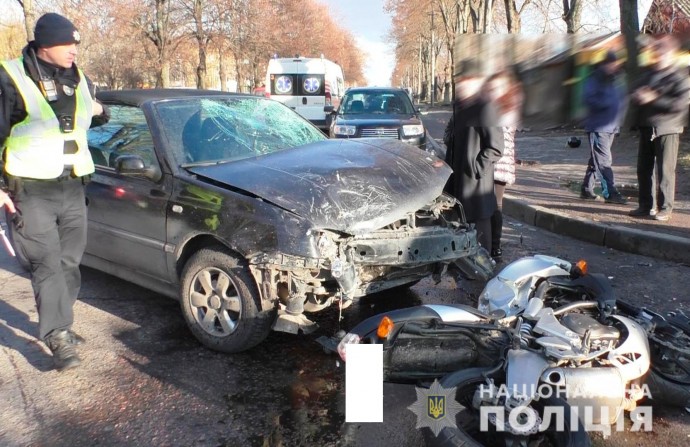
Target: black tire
(666, 391)
(467, 433)
(221, 303)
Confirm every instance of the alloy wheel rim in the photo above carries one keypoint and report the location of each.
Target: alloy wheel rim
(215, 302)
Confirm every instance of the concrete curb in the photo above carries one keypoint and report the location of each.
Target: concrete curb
(647, 243)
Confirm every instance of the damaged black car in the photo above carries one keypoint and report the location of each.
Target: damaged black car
(252, 218)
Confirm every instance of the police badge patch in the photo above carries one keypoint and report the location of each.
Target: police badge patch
(436, 407)
(69, 91)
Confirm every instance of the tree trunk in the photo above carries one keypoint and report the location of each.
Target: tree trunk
(28, 7)
(572, 15)
(201, 68)
(202, 43)
(630, 26)
(163, 80)
(514, 23)
(222, 69)
(488, 16)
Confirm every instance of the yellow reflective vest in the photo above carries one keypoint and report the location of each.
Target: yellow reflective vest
(35, 146)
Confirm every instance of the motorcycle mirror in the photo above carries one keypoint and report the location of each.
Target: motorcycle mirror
(580, 268)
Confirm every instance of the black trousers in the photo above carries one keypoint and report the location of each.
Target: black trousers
(497, 217)
(49, 234)
(662, 151)
(483, 227)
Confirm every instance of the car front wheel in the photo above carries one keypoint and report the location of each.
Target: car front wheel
(221, 303)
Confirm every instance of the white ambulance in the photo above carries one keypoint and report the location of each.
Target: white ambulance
(312, 87)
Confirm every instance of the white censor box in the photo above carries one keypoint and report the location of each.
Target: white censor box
(364, 383)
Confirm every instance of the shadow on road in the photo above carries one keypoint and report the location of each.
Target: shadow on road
(18, 333)
(286, 391)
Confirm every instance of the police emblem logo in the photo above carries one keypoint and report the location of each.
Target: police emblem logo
(69, 91)
(76, 36)
(436, 406)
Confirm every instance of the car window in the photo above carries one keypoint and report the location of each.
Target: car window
(212, 130)
(298, 84)
(126, 133)
(378, 102)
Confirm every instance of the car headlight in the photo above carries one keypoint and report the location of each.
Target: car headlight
(340, 129)
(413, 130)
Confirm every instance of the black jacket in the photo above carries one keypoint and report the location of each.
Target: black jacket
(474, 143)
(667, 114)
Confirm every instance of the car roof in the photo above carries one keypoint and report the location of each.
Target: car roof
(137, 97)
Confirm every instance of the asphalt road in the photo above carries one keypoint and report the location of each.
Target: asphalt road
(146, 381)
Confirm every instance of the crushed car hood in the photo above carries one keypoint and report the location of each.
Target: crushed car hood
(344, 185)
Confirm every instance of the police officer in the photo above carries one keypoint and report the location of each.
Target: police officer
(46, 108)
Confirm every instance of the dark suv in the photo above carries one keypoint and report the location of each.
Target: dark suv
(378, 112)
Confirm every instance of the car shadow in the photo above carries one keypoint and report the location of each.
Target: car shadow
(152, 340)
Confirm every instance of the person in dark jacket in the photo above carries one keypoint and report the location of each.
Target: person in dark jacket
(662, 99)
(474, 142)
(604, 98)
(46, 109)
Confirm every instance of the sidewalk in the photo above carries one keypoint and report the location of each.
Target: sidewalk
(547, 190)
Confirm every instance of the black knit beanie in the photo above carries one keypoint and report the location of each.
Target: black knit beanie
(53, 29)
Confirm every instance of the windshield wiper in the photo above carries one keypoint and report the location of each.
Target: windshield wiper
(204, 163)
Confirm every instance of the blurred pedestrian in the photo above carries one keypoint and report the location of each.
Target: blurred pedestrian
(604, 99)
(505, 92)
(662, 99)
(46, 108)
(474, 143)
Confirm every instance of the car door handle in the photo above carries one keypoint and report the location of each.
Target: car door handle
(157, 193)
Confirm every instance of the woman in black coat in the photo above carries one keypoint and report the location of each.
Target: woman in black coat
(474, 142)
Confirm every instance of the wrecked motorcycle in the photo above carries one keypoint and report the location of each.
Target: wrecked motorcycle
(542, 324)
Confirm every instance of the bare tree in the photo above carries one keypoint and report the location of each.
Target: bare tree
(29, 17)
(513, 15)
(572, 15)
(160, 22)
(198, 14)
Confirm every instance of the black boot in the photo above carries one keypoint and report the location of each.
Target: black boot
(497, 255)
(75, 338)
(64, 351)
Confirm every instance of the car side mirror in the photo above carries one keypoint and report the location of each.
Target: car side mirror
(329, 109)
(134, 165)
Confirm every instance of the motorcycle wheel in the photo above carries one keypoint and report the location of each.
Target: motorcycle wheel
(668, 392)
(467, 433)
(671, 355)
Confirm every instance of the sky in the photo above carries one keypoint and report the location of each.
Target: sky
(367, 21)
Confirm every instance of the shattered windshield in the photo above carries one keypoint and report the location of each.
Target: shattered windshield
(217, 130)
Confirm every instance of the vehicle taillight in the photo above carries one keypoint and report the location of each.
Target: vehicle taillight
(348, 339)
(328, 98)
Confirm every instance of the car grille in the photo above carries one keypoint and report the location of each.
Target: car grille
(380, 132)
